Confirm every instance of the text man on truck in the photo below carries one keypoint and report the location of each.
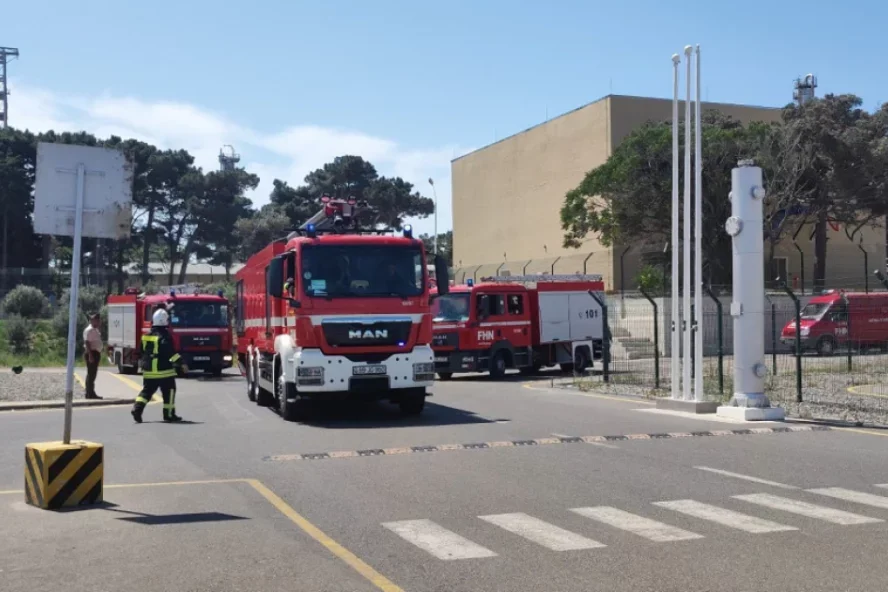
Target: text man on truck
(334, 311)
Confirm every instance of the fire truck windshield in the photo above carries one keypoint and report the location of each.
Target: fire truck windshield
(451, 307)
(195, 313)
(343, 271)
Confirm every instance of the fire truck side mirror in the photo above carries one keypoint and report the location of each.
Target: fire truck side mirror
(441, 276)
(274, 284)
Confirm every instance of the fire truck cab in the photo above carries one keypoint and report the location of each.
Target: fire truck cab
(334, 311)
(522, 322)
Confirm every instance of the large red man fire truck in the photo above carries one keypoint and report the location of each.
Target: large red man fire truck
(334, 311)
(523, 322)
(199, 325)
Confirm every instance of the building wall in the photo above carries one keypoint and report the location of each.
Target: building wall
(507, 196)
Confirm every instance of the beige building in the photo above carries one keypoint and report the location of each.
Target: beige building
(507, 199)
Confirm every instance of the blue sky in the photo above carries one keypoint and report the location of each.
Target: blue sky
(407, 84)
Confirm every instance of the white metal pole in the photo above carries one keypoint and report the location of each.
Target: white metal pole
(435, 194)
(686, 247)
(698, 239)
(675, 368)
(72, 305)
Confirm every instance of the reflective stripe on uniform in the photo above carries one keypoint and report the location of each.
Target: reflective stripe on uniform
(141, 399)
(175, 358)
(159, 373)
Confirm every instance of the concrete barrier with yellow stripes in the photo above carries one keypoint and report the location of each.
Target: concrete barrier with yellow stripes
(59, 475)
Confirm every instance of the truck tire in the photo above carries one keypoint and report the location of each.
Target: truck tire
(413, 403)
(581, 360)
(294, 411)
(498, 365)
(826, 346)
(445, 375)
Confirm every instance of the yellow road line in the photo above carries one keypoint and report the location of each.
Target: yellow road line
(373, 576)
(859, 431)
(155, 484)
(854, 391)
(595, 396)
(79, 380)
(135, 386)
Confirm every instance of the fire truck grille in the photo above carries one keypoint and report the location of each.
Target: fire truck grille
(382, 333)
(189, 341)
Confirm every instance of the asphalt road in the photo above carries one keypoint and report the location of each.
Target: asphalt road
(486, 491)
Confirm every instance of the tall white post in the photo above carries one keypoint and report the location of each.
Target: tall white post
(72, 305)
(748, 306)
(675, 368)
(698, 241)
(686, 296)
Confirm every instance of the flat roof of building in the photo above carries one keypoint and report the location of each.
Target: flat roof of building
(609, 96)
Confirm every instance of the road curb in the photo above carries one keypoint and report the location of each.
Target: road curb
(30, 405)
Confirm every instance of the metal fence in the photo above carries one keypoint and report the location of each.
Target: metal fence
(840, 372)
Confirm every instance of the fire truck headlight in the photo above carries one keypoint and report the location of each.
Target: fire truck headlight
(310, 371)
(226, 358)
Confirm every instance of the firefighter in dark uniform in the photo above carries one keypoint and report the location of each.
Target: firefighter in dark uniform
(159, 362)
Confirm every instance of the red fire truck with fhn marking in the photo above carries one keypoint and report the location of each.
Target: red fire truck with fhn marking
(199, 325)
(523, 322)
(336, 311)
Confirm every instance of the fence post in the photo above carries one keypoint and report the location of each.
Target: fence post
(720, 338)
(773, 336)
(656, 339)
(848, 343)
(881, 278)
(605, 337)
(798, 340)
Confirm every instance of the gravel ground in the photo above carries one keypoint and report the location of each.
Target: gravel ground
(35, 385)
(855, 398)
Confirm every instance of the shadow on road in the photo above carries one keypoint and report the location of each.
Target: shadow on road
(156, 519)
(364, 415)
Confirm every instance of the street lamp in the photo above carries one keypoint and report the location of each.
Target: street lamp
(435, 193)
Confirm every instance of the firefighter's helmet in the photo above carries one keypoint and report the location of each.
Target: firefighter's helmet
(161, 318)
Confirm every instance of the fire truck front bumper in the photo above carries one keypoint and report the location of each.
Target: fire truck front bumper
(318, 373)
(217, 360)
(458, 361)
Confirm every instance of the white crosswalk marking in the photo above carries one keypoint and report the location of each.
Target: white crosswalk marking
(644, 527)
(805, 509)
(437, 540)
(545, 534)
(724, 517)
(858, 497)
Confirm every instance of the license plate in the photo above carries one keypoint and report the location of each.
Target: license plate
(441, 359)
(201, 358)
(370, 369)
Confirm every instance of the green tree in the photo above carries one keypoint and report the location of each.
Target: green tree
(391, 199)
(445, 245)
(254, 233)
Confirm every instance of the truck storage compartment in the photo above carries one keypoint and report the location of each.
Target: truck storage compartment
(122, 325)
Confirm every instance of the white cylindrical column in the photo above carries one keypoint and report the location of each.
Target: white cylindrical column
(748, 306)
(675, 360)
(698, 239)
(686, 296)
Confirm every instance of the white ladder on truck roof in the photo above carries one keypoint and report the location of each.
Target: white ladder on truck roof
(525, 279)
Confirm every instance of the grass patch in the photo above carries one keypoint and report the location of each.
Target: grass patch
(45, 349)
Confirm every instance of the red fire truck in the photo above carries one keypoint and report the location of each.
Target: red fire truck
(523, 322)
(334, 311)
(837, 319)
(199, 325)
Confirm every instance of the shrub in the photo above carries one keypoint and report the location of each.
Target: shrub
(90, 299)
(25, 301)
(18, 334)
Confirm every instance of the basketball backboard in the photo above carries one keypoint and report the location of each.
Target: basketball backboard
(107, 196)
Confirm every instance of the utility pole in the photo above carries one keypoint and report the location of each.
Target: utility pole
(5, 54)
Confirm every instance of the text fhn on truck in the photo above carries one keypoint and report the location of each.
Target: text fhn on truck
(199, 325)
(334, 311)
(522, 322)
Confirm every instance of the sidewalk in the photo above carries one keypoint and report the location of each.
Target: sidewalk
(114, 388)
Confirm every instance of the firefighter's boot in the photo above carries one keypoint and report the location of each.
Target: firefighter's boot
(171, 417)
(137, 411)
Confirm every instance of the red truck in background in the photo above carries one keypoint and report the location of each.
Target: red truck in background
(835, 319)
(334, 311)
(523, 322)
(199, 324)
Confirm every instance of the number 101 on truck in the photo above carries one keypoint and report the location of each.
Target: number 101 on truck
(334, 311)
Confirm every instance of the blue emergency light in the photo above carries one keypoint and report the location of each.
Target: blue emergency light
(221, 293)
(470, 282)
(408, 231)
(172, 293)
(310, 230)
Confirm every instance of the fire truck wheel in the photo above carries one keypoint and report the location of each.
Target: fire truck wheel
(289, 411)
(581, 360)
(413, 404)
(498, 365)
(251, 388)
(445, 375)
